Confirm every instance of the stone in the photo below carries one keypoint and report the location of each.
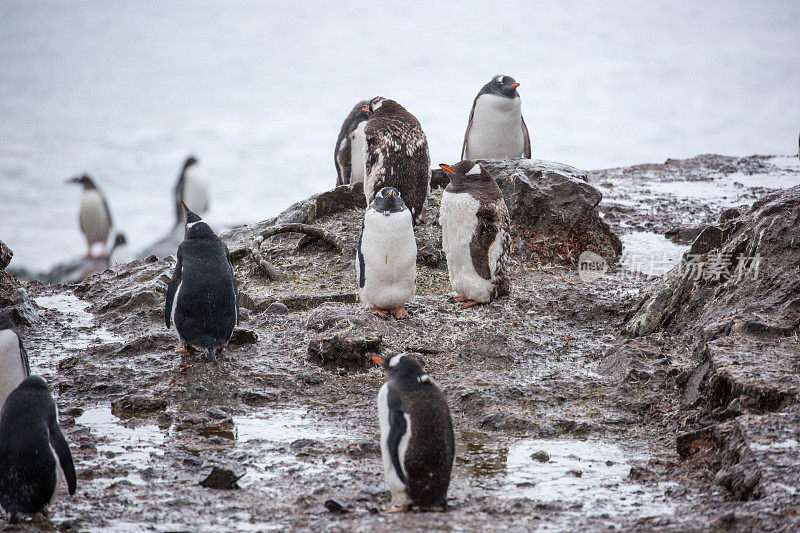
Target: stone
(223, 478)
(348, 349)
(242, 336)
(541, 456)
(134, 404)
(277, 308)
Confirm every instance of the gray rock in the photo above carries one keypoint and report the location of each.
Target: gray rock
(223, 478)
(277, 308)
(348, 349)
(541, 456)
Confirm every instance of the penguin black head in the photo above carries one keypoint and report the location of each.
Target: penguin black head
(403, 368)
(388, 201)
(504, 86)
(466, 171)
(120, 239)
(195, 227)
(191, 160)
(34, 383)
(84, 180)
(380, 103)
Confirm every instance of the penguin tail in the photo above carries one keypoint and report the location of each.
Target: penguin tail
(13, 516)
(211, 354)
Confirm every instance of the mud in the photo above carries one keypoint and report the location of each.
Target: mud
(547, 369)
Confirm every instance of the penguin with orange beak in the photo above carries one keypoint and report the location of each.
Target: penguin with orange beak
(496, 129)
(417, 442)
(386, 257)
(475, 234)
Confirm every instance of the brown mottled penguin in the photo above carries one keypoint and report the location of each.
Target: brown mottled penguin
(397, 154)
(475, 234)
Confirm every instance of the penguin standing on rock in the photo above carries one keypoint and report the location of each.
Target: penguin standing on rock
(201, 297)
(475, 234)
(34, 456)
(417, 443)
(14, 366)
(386, 259)
(349, 158)
(496, 129)
(397, 154)
(95, 216)
(191, 189)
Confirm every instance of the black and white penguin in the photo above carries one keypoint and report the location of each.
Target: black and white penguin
(397, 154)
(14, 366)
(191, 189)
(386, 259)
(417, 442)
(95, 216)
(201, 297)
(350, 154)
(475, 234)
(120, 253)
(496, 129)
(34, 456)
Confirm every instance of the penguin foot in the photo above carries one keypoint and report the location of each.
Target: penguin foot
(400, 313)
(467, 303)
(185, 349)
(379, 312)
(399, 509)
(458, 298)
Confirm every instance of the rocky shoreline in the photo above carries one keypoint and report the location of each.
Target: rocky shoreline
(659, 403)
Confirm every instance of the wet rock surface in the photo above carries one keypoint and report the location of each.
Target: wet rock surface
(548, 369)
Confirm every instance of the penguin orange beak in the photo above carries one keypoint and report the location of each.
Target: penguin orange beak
(365, 109)
(183, 206)
(390, 193)
(377, 359)
(447, 168)
(515, 85)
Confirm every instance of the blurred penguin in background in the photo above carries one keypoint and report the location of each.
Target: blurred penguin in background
(350, 155)
(95, 216)
(120, 253)
(191, 189)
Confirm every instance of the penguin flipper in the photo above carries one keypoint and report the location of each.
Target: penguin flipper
(360, 266)
(61, 447)
(397, 428)
(173, 287)
(526, 150)
(24, 355)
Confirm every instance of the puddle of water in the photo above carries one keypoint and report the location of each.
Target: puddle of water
(650, 253)
(592, 474)
(129, 447)
(266, 435)
(82, 323)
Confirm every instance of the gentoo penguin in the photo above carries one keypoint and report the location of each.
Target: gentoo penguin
(351, 148)
(34, 456)
(119, 254)
(475, 234)
(14, 366)
(95, 217)
(397, 154)
(386, 259)
(417, 441)
(191, 189)
(201, 297)
(496, 129)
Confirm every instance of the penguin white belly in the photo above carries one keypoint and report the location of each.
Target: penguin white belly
(12, 371)
(358, 154)
(496, 131)
(458, 217)
(195, 189)
(175, 305)
(120, 255)
(93, 218)
(396, 486)
(389, 250)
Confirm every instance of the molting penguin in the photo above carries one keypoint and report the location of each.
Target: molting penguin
(201, 297)
(94, 217)
(34, 456)
(475, 234)
(120, 253)
(496, 129)
(14, 366)
(397, 154)
(386, 259)
(417, 441)
(350, 154)
(191, 189)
